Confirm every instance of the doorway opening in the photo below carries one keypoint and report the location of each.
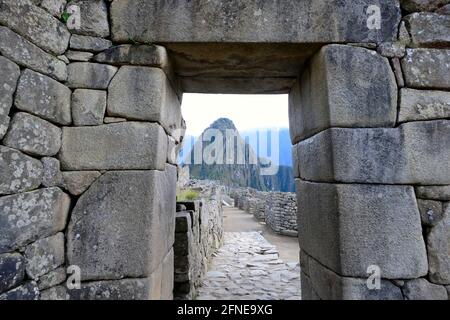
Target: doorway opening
(236, 234)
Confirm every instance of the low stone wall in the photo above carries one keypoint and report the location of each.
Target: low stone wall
(277, 209)
(198, 234)
(281, 213)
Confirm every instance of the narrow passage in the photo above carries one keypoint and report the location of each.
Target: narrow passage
(248, 267)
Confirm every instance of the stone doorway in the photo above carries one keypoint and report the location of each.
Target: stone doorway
(372, 174)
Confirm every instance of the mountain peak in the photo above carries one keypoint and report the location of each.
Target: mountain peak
(223, 124)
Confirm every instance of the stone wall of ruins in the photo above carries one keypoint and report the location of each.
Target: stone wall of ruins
(90, 120)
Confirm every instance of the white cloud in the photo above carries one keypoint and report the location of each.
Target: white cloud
(246, 111)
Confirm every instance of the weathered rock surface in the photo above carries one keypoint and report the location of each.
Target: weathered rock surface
(79, 56)
(431, 212)
(422, 5)
(87, 43)
(33, 135)
(344, 86)
(143, 93)
(35, 24)
(12, 270)
(4, 125)
(88, 107)
(51, 279)
(18, 172)
(429, 29)
(90, 75)
(133, 222)
(52, 176)
(350, 227)
(440, 193)
(128, 145)
(44, 255)
(58, 293)
(287, 21)
(421, 289)
(414, 153)
(423, 68)
(141, 55)
(8, 82)
(43, 97)
(418, 105)
(167, 278)
(126, 289)
(392, 49)
(26, 54)
(330, 286)
(26, 217)
(94, 18)
(28, 291)
(438, 247)
(54, 7)
(77, 182)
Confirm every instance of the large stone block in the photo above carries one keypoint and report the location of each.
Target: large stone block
(87, 43)
(418, 105)
(144, 93)
(27, 217)
(344, 86)
(35, 24)
(88, 107)
(167, 278)
(414, 153)
(120, 146)
(18, 172)
(422, 5)
(28, 291)
(421, 289)
(330, 286)
(440, 193)
(429, 29)
(90, 75)
(438, 247)
(124, 216)
(26, 54)
(33, 135)
(12, 270)
(423, 68)
(8, 82)
(43, 97)
(94, 18)
(77, 182)
(234, 21)
(44, 255)
(347, 228)
(126, 289)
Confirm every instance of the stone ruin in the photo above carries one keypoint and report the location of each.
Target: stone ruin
(277, 209)
(90, 95)
(198, 235)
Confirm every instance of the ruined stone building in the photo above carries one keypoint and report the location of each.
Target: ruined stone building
(90, 121)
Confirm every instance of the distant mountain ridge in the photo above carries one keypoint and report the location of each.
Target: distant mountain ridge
(247, 173)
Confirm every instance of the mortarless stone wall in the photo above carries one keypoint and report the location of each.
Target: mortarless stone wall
(90, 118)
(198, 235)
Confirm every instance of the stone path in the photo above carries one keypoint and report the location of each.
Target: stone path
(248, 267)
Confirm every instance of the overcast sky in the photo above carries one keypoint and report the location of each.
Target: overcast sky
(246, 111)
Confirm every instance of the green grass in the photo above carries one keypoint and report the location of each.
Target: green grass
(187, 195)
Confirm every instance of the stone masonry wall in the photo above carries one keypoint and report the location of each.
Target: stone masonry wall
(277, 209)
(371, 128)
(90, 122)
(80, 182)
(198, 235)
